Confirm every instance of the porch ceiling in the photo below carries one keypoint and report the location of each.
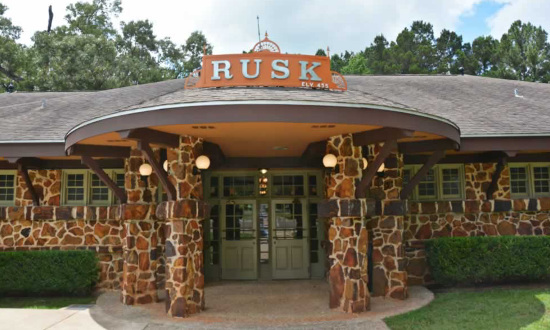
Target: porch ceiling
(261, 139)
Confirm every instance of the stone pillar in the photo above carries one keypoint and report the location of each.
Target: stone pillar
(348, 273)
(139, 282)
(184, 256)
(389, 262)
(184, 232)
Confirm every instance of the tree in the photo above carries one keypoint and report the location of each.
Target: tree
(12, 54)
(195, 46)
(320, 52)
(379, 57)
(357, 65)
(525, 53)
(93, 18)
(447, 48)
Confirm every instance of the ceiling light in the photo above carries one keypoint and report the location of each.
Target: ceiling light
(279, 148)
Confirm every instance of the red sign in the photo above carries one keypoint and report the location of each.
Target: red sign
(266, 66)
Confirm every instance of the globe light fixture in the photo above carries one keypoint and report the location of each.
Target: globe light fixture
(165, 165)
(330, 161)
(365, 163)
(201, 163)
(263, 170)
(145, 169)
(381, 168)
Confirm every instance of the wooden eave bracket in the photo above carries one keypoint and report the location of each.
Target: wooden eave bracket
(372, 168)
(380, 135)
(25, 173)
(151, 136)
(157, 168)
(98, 151)
(94, 166)
(432, 160)
(496, 176)
(427, 146)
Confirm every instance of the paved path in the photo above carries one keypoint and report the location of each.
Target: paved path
(230, 305)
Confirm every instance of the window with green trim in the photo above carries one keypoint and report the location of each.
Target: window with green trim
(529, 179)
(8, 181)
(238, 186)
(81, 187)
(442, 182)
(288, 185)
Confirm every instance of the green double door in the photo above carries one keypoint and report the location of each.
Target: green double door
(273, 232)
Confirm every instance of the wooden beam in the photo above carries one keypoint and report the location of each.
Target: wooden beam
(94, 166)
(25, 173)
(496, 176)
(380, 135)
(372, 168)
(315, 149)
(427, 146)
(485, 157)
(434, 158)
(98, 151)
(52, 164)
(157, 168)
(214, 152)
(151, 136)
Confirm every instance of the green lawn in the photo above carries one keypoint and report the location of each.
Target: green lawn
(490, 309)
(43, 302)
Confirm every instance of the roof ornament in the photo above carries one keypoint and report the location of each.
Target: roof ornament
(266, 45)
(516, 93)
(43, 104)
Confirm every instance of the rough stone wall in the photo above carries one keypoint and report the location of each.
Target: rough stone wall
(67, 228)
(348, 238)
(180, 164)
(386, 228)
(183, 231)
(478, 177)
(184, 256)
(46, 183)
(139, 191)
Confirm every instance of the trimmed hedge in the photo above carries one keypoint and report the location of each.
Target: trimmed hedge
(488, 260)
(54, 273)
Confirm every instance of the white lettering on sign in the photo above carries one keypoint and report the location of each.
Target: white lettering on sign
(217, 70)
(244, 65)
(305, 71)
(280, 66)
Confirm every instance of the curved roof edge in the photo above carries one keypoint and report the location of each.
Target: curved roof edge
(263, 111)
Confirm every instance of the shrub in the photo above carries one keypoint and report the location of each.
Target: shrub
(25, 273)
(487, 260)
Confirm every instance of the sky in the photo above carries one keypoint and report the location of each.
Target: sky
(300, 26)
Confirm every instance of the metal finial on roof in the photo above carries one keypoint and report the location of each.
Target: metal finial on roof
(516, 93)
(43, 104)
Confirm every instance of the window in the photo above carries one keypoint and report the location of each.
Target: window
(442, 182)
(288, 185)
(82, 187)
(530, 180)
(238, 186)
(7, 187)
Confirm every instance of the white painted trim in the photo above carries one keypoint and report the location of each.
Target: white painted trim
(261, 102)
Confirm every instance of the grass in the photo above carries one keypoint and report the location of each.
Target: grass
(489, 309)
(44, 302)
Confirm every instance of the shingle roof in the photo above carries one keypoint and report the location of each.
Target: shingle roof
(479, 106)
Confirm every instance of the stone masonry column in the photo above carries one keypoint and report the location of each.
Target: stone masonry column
(184, 232)
(389, 275)
(140, 239)
(348, 273)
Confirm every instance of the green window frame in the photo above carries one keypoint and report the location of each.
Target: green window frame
(8, 185)
(83, 187)
(442, 182)
(529, 180)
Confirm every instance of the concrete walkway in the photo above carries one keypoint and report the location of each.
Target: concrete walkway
(230, 305)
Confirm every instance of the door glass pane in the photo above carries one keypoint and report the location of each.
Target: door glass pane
(314, 242)
(288, 221)
(312, 185)
(239, 222)
(263, 222)
(213, 235)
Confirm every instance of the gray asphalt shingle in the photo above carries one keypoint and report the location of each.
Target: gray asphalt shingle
(479, 106)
